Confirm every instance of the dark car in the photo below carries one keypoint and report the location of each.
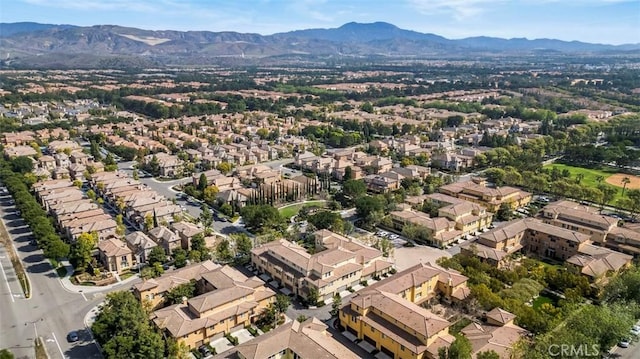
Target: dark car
(204, 350)
(73, 336)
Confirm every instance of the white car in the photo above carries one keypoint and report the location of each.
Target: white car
(635, 330)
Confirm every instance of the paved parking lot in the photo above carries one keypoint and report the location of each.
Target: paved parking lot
(406, 257)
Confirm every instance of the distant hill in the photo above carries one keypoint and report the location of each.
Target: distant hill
(32, 44)
(8, 29)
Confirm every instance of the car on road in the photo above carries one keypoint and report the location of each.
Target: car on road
(73, 336)
(624, 343)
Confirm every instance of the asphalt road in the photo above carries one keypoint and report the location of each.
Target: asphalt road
(51, 312)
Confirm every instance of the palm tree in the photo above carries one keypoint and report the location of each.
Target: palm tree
(625, 181)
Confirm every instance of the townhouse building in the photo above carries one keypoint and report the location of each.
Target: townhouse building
(388, 316)
(490, 198)
(229, 301)
(441, 230)
(338, 263)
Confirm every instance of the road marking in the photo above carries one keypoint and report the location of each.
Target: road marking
(85, 298)
(7, 283)
(57, 344)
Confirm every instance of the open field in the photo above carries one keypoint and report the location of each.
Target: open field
(293, 209)
(592, 175)
(616, 180)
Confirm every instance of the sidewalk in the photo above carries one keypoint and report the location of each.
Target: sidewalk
(70, 287)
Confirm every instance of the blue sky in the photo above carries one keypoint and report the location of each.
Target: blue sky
(601, 21)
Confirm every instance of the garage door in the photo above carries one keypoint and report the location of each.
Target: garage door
(369, 340)
(387, 351)
(237, 327)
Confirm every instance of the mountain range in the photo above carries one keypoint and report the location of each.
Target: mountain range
(32, 44)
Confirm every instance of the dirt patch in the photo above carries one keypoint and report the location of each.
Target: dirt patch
(616, 180)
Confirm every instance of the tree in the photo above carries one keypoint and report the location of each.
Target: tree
(178, 293)
(282, 303)
(22, 164)
(209, 194)
(608, 193)
(135, 175)
(313, 296)
(262, 218)
(149, 222)
(199, 245)
(327, 220)
(224, 167)
(505, 213)
(202, 182)
(625, 181)
(243, 246)
(489, 354)
(354, 188)
(459, 349)
(80, 255)
(157, 255)
(223, 251)
(206, 216)
(335, 306)
(179, 257)
(226, 209)
(123, 330)
(6, 354)
(348, 173)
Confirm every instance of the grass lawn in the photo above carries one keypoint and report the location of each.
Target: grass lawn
(538, 302)
(293, 209)
(590, 175)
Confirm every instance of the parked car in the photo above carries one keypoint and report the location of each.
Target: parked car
(73, 336)
(624, 343)
(204, 350)
(635, 330)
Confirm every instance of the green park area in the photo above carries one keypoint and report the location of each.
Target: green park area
(293, 209)
(590, 177)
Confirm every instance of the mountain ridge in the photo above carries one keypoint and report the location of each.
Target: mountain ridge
(21, 42)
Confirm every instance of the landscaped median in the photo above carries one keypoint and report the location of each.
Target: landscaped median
(5, 239)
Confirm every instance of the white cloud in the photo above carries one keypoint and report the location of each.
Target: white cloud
(459, 9)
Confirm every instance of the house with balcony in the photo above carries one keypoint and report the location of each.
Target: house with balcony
(490, 198)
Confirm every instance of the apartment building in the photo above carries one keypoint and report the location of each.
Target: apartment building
(490, 198)
(576, 217)
(309, 339)
(531, 236)
(338, 263)
(388, 315)
(229, 301)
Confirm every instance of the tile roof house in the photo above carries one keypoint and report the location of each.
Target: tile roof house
(498, 333)
(115, 255)
(229, 301)
(309, 339)
(340, 262)
(141, 245)
(165, 238)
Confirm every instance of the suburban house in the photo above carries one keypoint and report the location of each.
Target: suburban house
(141, 245)
(309, 339)
(229, 301)
(389, 318)
(165, 238)
(186, 231)
(338, 263)
(115, 255)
